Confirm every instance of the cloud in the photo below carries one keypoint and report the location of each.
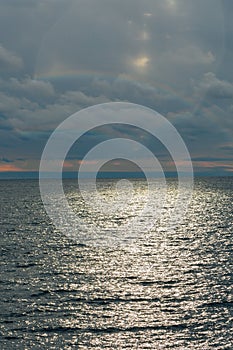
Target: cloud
(125, 41)
(31, 88)
(214, 88)
(34, 105)
(5, 160)
(9, 62)
(166, 55)
(9, 104)
(159, 98)
(192, 55)
(33, 122)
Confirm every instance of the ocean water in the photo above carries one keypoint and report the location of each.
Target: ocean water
(161, 291)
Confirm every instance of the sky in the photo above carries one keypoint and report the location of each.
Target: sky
(60, 56)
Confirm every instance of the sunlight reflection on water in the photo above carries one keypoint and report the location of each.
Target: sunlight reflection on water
(162, 292)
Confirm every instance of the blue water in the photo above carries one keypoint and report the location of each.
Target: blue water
(172, 291)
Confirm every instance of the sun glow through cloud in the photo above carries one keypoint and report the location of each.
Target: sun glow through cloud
(171, 3)
(141, 62)
(144, 35)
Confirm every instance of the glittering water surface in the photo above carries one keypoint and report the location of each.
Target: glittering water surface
(165, 291)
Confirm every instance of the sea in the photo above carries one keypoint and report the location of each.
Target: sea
(165, 289)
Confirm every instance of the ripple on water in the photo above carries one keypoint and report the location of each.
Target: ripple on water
(172, 294)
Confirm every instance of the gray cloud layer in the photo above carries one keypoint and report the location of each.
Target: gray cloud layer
(57, 57)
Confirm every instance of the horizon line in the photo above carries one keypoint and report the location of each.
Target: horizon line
(15, 175)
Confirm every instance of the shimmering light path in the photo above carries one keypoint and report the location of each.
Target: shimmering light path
(172, 292)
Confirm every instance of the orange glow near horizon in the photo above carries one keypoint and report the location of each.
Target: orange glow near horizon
(72, 165)
(9, 167)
